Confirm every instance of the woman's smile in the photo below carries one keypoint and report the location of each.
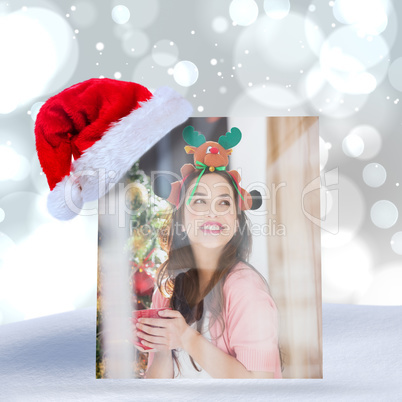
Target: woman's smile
(213, 230)
(212, 227)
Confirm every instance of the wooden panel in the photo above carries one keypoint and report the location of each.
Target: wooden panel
(294, 248)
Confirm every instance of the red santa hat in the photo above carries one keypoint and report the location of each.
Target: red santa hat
(105, 125)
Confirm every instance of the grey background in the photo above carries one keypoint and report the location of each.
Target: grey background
(363, 269)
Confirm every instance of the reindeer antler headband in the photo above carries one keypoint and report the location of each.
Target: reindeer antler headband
(213, 156)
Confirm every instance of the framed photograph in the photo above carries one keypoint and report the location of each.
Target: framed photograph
(209, 262)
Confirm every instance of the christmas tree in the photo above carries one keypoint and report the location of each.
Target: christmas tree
(147, 217)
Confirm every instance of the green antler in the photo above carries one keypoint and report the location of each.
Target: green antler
(193, 138)
(231, 138)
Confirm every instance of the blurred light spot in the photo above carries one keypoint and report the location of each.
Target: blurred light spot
(24, 168)
(314, 36)
(214, 62)
(117, 75)
(185, 73)
(200, 108)
(396, 243)
(384, 214)
(357, 81)
(371, 138)
(121, 30)
(142, 13)
(261, 101)
(85, 14)
(352, 145)
(374, 175)
(2, 215)
(120, 14)
(222, 90)
(135, 43)
(152, 78)
(275, 96)
(394, 74)
(100, 46)
(311, 8)
(348, 212)
(165, 52)
(314, 82)
(284, 51)
(9, 163)
(35, 109)
(341, 105)
(35, 267)
(220, 24)
(24, 211)
(277, 9)
(7, 246)
(323, 153)
(39, 56)
(385, 288)
(346, 272)
(346, 58)
(243, 12)
(368, 16)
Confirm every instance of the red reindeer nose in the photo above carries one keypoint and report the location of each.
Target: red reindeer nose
(214, 150)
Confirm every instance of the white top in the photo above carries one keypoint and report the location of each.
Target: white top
(186, 367)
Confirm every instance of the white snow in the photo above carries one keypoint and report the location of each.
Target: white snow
(53, 358)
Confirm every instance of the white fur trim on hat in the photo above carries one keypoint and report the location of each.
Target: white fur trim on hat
(102, 165)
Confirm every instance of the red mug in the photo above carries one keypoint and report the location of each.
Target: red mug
(148, 313)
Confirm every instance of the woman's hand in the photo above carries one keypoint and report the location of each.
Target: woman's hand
(172, 333)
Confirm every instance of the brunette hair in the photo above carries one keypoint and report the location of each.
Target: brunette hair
(177, 278)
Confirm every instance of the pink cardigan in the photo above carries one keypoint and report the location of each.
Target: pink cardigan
(251, 323)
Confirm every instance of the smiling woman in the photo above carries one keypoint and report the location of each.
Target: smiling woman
(223, 322)
(210, 220)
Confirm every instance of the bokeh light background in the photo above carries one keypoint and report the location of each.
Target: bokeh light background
(339, 60)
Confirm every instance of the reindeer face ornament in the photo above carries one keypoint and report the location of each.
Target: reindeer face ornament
(211, 153)
(213, 156)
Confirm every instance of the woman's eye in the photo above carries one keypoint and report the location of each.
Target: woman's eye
(203, 201)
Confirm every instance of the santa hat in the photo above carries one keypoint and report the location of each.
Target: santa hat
(106, 126)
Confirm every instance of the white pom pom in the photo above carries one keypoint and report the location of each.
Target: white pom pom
(65, 201)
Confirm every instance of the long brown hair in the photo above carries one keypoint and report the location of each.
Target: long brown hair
(177, 277)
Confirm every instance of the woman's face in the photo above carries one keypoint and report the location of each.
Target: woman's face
(210, 218)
